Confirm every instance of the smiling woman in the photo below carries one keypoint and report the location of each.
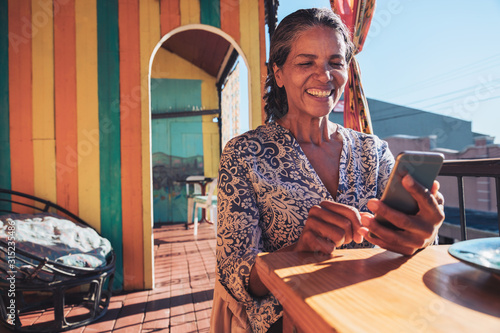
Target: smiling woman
(301, 183)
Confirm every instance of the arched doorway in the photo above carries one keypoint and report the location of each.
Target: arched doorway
(190, 69)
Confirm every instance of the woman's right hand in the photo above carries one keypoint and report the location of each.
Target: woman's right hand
(328, 226)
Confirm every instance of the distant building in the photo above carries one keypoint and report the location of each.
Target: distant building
(391, 119)
(446, 132)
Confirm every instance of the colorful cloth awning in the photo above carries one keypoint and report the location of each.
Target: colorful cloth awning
(357, 15)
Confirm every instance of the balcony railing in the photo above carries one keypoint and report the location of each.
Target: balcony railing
(472, 168)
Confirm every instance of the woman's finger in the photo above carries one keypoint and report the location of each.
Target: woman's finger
(397, 218)
(423, 196)
(329, 225)
(350, 214)
(438, 195)
(406, 241)
(395, 244)
(430, 209)
(310, 241)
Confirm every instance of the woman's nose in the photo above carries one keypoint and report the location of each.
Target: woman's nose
(324, 74)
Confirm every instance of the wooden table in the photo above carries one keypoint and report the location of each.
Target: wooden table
(374, 290)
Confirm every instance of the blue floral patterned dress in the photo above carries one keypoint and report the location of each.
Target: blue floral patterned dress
(266, 188)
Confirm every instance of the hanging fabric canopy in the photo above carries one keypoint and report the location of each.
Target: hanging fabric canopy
(357, 15)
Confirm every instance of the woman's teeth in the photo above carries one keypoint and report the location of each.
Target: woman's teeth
(319, 93)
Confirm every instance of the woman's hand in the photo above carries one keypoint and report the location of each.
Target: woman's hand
(418, 231)
(328, 226)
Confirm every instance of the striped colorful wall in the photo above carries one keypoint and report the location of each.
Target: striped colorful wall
(74, 106)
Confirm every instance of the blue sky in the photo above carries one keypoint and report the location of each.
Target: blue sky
(440, 56)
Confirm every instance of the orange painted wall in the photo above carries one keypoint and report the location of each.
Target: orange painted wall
(20, 98)
(65, 106)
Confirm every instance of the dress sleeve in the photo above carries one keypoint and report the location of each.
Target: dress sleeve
(386, 163)
(238, 232)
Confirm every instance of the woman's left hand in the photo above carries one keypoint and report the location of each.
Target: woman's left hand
(418, 231)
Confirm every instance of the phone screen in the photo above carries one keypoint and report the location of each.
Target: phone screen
(423, 167)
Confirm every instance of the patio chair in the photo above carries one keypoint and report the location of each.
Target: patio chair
(207, 202)
(58, 263)
(192, 190)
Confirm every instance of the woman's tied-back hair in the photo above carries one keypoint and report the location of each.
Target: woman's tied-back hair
(281, 43)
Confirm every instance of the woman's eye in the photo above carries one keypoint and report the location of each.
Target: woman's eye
(337, 64)
(305, 64)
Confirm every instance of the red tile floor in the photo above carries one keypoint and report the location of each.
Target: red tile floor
(182, 298)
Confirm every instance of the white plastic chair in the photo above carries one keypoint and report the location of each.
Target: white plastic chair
(192, 190)
(207, 202)
(213, 217)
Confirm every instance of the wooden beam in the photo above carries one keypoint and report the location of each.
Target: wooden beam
(184, 114)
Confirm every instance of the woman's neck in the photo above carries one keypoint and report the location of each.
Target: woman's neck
(315, 131)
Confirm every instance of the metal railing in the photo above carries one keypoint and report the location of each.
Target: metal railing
(472, 168)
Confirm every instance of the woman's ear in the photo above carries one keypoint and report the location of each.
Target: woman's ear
(277, 76)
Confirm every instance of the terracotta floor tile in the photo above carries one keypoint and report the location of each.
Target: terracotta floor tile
(203, 325)
(186, 327)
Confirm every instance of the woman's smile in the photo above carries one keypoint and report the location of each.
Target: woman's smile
(319, 93)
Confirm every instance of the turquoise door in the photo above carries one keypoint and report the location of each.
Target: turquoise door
(177, 145)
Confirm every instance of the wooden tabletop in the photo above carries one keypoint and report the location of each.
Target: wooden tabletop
(374, 290)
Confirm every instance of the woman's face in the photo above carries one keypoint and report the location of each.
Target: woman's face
(315, 72)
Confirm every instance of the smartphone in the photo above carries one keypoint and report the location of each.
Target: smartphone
(423, 167)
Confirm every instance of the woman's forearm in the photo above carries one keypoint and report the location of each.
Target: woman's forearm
(255, 286)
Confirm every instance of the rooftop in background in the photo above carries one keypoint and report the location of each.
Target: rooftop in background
(391, 119)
